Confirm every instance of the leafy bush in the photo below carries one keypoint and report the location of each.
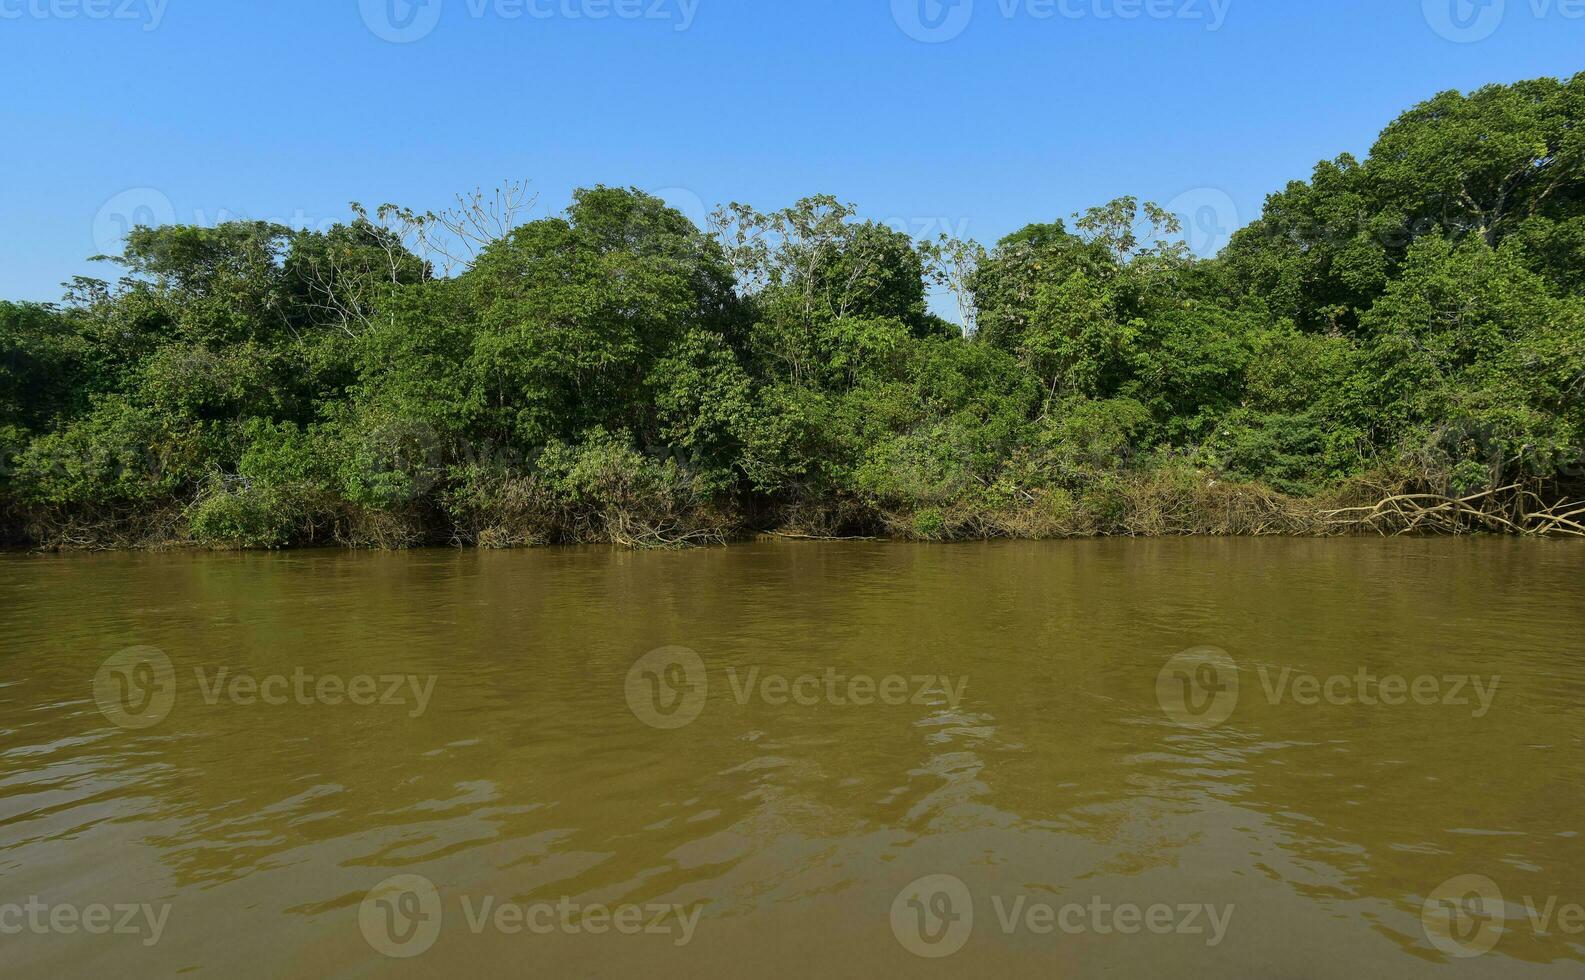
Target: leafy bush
(244, 517)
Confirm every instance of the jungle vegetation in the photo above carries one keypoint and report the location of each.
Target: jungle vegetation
(1403, 334)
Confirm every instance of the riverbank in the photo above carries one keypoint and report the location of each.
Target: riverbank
(1155, 504)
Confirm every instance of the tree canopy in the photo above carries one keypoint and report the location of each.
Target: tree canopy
(1414, 320)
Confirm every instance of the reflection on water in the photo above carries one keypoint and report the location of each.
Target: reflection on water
(1037, 768)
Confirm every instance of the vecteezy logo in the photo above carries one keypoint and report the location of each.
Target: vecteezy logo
(401, 916)
(642, 222)
(1198, 688)
(127, 210)
(932, 21)
(666, 688)
(686, 201)
(1464, 916)
(136, 687)
(1464, 21)
(934, 916)
(1209, 218)
(401, 21)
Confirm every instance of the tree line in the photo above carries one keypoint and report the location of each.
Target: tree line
(1406, 327)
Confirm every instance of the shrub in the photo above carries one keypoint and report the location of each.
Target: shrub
(244, 517)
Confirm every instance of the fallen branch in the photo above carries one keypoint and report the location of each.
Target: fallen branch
(1514, 509)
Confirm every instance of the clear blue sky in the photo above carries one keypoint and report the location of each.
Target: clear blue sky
(289, 109)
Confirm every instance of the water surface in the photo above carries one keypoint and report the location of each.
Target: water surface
(1046, 770)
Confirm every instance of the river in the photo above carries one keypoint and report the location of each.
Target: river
(1236, 758)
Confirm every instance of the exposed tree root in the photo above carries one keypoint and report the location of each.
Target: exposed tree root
(1514, 509)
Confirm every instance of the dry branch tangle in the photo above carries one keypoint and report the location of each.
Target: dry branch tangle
(1514, 509)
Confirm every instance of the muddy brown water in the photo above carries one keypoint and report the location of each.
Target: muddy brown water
(1232, 758)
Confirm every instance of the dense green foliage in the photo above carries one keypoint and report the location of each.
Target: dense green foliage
(616, 373)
